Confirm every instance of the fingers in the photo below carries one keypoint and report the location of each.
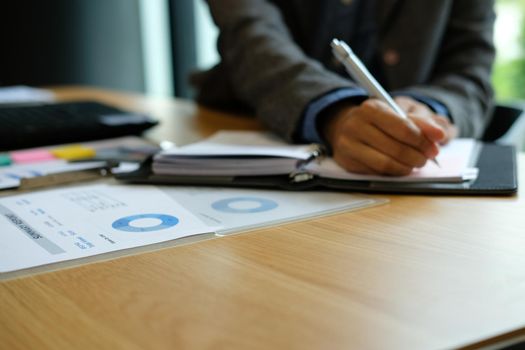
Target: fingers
(398, 128)
(378, 140)
(373, 139)
(361, 158)
(431, 130)
(451, 131)
(415, 108)
(406, 103)
(353, 165)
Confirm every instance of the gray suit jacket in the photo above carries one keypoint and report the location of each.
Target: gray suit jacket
(275, 56)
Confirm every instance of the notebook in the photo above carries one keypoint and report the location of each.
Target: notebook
(260, 159)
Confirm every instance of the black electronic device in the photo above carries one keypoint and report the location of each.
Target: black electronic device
(27, 126)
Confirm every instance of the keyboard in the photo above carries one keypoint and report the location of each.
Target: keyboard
(51, 124)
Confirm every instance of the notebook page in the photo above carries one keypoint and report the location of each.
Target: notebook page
(455, 161)
(240, 143)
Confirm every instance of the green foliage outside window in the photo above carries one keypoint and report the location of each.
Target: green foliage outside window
(509, 72)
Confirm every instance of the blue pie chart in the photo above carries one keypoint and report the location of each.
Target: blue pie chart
(244, 205)
(126, 223)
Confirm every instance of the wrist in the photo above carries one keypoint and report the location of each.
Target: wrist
(331, 124)
(309, 129)
(326, 123)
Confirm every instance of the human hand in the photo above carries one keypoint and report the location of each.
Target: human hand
(372, 139)
(413, 107)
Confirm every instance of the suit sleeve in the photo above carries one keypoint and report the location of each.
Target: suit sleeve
(461, 80)
(268, 70)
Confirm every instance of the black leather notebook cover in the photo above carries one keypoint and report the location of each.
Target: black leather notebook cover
(496, 163)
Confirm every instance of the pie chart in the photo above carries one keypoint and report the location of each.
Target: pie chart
(145, 222)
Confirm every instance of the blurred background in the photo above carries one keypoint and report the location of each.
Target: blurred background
(509, 71)
(150, 46)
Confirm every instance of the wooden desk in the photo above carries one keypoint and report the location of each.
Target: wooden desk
(419, 273)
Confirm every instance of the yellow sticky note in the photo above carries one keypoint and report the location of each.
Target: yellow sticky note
(74, 152)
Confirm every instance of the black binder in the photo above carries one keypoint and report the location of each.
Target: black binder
(496, 164)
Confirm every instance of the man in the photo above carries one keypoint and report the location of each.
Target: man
(434, 56)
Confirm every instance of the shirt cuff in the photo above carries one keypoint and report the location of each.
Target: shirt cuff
(308, 132)
(436, 106)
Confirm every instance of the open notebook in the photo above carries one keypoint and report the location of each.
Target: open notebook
(234, 153)
(257, 159)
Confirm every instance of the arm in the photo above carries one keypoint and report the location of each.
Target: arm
(461, 78)
(460, 81)
(268, 70)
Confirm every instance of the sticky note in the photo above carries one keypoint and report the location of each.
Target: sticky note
(31, 156)
(5, 159)
(74, 152)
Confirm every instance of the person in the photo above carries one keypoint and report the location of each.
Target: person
(434, 56)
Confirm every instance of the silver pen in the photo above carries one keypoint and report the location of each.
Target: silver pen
(362, 76)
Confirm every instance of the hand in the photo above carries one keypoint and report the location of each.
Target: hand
(372, 139)
(412, 107)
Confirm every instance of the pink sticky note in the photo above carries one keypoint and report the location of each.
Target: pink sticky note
(31, 156)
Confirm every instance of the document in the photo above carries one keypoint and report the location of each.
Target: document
(64, 224)
(233, 210)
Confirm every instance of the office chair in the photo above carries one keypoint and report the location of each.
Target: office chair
(507, 126)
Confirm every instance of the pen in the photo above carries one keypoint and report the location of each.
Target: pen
(362, 76)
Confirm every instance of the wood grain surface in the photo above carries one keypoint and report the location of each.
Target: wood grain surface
(422, 272)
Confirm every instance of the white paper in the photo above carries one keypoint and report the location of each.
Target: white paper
(58, 225)
(454, 166)
(226, 166)
(234, 153)
(23, 94)
(241, 143)
(240, 209)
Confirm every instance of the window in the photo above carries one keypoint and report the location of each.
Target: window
(509, 70)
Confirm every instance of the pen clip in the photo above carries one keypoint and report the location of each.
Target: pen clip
(317, 151)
